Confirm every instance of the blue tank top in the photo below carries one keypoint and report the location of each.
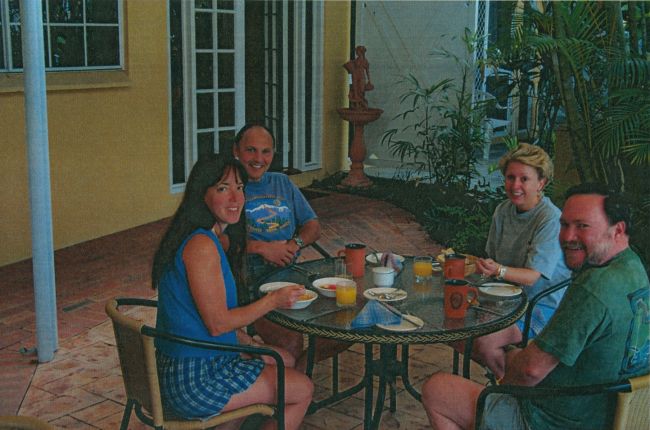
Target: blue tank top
(177, 313)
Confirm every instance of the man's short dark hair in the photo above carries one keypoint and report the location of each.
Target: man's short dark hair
(245, 128)
(615, 205)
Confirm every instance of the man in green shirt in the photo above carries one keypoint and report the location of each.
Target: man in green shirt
(598, 334)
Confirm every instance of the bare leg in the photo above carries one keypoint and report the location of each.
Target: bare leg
(298, 394)
(490, 350)
(275, 334)
(324, 348)
(450, 401)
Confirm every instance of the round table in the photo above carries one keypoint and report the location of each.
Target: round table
(424, 300)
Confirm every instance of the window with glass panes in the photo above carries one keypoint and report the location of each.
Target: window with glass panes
(78, 35)
(207, 80)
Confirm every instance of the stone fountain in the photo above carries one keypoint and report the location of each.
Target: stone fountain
(358, 114)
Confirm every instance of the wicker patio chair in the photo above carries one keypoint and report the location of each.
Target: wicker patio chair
(633, 398)
(135, 346)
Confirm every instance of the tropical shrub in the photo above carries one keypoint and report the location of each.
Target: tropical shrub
(443, 128)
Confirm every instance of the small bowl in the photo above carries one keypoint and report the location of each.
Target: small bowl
(375, 258)
(305, 300)
(327, 286)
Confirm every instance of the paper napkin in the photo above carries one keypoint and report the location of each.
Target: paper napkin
(374, 313)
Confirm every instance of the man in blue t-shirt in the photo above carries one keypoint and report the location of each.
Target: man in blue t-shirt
(280, 222)
(598, 334)
(279, 219)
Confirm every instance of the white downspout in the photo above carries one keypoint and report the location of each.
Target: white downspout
(38, 158)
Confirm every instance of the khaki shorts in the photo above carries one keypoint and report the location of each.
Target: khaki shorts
(502, 412)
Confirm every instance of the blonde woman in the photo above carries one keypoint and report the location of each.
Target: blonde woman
(523, 247)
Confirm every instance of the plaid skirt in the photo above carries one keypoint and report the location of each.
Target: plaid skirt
(200, 387)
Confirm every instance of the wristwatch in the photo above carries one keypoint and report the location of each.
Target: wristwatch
(299, 241)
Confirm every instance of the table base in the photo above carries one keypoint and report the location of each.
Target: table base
(387, 367)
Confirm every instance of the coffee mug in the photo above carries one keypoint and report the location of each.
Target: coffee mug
(355, 258)
(458, 296)
(454, 267)
(383, 276)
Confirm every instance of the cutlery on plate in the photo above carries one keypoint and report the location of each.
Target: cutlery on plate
(401, 315)
(387, 296)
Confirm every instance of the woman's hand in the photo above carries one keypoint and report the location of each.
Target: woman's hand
(487, 267)
(285, 297)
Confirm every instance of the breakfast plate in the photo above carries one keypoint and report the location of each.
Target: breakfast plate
(499, 289)
(404, 325)
(375, 257)
(385, 294)
(327, 286)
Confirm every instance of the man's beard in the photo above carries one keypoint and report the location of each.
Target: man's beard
(599, 253)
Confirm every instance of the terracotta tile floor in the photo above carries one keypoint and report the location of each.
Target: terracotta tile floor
(82, 387)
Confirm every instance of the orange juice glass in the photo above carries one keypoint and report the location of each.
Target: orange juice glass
(346, 294)
(422, 268)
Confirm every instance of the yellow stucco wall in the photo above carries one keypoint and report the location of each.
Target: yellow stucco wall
(108, 146)
(108, 137)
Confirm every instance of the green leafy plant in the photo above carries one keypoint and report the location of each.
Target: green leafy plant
(599, 78)
(590, 60)
(443, 128)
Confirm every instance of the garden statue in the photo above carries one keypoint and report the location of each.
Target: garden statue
(359, 69)
(358, 114)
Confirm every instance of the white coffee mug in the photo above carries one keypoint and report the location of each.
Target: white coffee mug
(383, 276)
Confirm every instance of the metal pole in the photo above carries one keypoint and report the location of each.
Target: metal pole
(39, 179)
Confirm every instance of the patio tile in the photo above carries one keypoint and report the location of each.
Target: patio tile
(48, 406)
(68, 422)
(98, 411)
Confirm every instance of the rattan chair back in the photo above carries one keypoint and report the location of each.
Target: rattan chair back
(633, 408)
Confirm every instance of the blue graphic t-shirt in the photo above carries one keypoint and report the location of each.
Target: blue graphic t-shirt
(275, 207)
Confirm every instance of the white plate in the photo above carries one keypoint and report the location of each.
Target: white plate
(271, 286)
(320, 284)
(499, 289)
(375, 258)
(372, 293)
(404, 325)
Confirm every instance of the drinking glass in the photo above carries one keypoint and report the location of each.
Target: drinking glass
(346, 294)
(422, 268)
(341, 269)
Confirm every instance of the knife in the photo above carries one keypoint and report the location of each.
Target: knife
(401, 315)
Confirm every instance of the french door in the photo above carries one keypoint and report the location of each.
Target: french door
(206, 42)
(293, 59)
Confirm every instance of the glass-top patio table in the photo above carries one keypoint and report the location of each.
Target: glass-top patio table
(424, 300)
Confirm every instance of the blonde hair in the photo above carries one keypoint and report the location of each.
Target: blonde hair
(530, 155)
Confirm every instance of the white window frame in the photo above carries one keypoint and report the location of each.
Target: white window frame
(6, 40)
(190, 91)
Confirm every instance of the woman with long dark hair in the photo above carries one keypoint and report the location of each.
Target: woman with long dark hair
(197, 298)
